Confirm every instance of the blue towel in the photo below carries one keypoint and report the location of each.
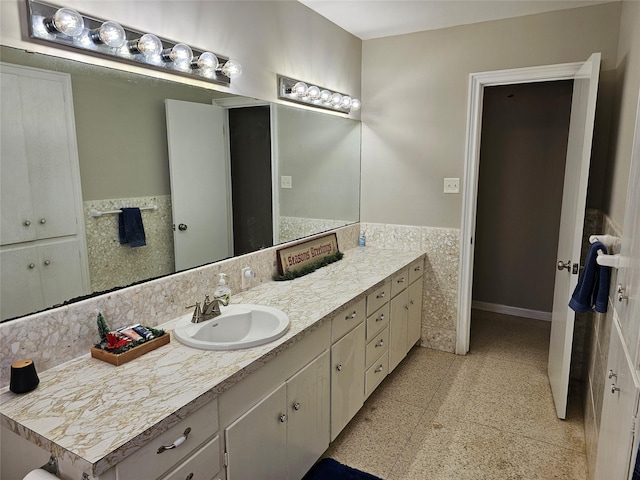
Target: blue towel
(592, 290)
(130, 227)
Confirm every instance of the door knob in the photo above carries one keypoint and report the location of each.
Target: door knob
(182, 227)
(562, 265)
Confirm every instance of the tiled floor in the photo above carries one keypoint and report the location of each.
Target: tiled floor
(486, 415)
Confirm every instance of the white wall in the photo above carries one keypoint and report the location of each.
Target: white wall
(266, 37)
(414, 92)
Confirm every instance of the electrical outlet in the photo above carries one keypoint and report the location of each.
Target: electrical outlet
(286, 181)
(451, 185)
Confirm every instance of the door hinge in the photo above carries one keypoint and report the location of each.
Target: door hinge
(226, 459)
(633, 424)
(575, 269)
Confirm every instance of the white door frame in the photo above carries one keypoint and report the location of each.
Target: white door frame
(477, 83)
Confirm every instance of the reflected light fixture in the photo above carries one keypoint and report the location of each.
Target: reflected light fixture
(110, 33)
(300, 92)
(69, 28)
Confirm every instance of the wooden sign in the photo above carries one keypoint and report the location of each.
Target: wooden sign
(306, 253)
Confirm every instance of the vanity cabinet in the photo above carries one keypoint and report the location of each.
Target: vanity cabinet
(174, 450)
(347, 378)
(286, 432)
(405, 312)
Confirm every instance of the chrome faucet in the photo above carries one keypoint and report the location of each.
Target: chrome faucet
(209, 310)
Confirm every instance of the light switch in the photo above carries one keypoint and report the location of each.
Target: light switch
(451, 185)
(286, 181)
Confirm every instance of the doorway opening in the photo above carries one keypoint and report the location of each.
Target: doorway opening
(523, 148)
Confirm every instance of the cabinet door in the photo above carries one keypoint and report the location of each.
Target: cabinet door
(257, 441)
(414, 321)
(43, 123)
(347, 378)
(20, 288)
(619, 412)
(308, 404)
(17, 213)
(398, 329)
(60, 271)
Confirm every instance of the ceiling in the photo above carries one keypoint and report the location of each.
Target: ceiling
(368, 19)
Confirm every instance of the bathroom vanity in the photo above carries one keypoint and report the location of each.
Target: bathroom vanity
(266, 412)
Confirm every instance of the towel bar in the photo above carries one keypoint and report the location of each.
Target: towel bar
(97, 213)
(605, 260)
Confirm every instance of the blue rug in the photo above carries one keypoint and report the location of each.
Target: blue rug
(329, 469)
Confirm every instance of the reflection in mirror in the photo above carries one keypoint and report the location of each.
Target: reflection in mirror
(289, 172)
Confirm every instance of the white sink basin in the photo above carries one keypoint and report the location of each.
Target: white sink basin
(239, 326)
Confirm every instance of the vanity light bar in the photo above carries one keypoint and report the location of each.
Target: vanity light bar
(67, 27)
(297, 91)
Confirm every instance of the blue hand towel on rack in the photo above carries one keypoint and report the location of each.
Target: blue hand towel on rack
(592, 290)
(130, 227)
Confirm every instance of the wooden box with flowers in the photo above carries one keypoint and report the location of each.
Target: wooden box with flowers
(117, 348)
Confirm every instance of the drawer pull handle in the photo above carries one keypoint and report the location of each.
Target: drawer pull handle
(43, 221)
(296, 406)
(379, 369)
(189, 477)
(27, 223)
(353, 315)
(339, 367)
(179, 441)
(406, 307)
(283, 418)
(380, 343)
(47, 262)
(411, 302)
(32, 265)
(417, 269)
(380, 318)
(401, 280)
(380, 295)
(611, 374)
(614, 389)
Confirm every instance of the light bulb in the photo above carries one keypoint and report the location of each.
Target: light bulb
(66, 21)
(300, 89)
(325, 96)
(206, 61)
(110, 33)
(180, 53)
(231, 69)
(346, 102)
(336, 99)
(148, 45)
(313, 92)
(355, 104)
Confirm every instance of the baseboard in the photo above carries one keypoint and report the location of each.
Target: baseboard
(515, 311)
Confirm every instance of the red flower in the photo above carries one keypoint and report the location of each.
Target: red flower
(114, 342)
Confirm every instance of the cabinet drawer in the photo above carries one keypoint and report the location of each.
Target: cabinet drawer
(416, 269)
(375, 374)
(378, 298)
(399, 282)
(202, 465)
(377, 321)
(347, 320)
(148, 463)
(376, 346)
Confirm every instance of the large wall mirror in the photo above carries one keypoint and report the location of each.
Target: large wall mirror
(263, 174)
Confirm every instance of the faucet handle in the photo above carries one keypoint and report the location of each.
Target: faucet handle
(197, 314)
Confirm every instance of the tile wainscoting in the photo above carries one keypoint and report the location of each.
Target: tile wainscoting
(440, 294)
(113, 264)
(55, 336)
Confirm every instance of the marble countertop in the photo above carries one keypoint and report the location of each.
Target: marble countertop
(82, 410)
